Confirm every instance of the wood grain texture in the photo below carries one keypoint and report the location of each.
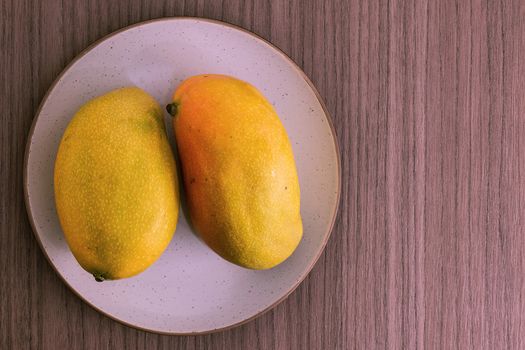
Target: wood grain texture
(428, 100)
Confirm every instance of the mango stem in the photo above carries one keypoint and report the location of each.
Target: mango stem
(98, 277)
(172, 109)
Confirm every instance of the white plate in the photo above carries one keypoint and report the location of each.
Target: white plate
(189, 289)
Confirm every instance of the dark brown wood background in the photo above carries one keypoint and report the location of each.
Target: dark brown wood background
(428, 98)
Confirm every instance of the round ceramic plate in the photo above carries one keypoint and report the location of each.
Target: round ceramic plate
(189, 289)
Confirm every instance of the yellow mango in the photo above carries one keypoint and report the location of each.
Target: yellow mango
(116, 187)
(238, 169)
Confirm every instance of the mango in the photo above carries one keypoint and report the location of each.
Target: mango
(238, 169)
(116, 186)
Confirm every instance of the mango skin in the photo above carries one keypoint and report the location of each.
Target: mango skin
(238, 169)
(116, 187)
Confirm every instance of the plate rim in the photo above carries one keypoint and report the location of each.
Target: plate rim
(273, 47)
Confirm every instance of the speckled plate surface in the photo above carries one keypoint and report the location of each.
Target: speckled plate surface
(189, 289)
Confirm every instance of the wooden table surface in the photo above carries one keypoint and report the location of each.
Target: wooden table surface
(427, 98)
